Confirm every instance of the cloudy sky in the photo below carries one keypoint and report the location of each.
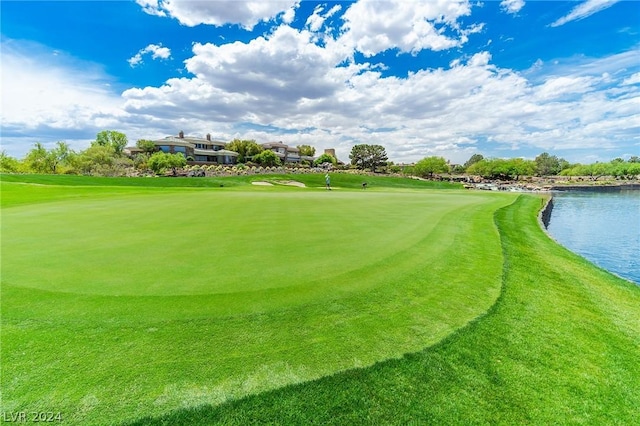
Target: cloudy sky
(510, 78)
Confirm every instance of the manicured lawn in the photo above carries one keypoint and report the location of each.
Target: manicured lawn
(125, 302)
(560, 346)
(281, 305)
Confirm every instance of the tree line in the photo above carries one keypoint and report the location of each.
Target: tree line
(106, 157)
(543, 165)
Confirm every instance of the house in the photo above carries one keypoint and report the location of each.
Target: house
(206, 151)
(287, 154)
(197, 150)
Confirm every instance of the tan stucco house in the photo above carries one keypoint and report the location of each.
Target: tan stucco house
(197, 150)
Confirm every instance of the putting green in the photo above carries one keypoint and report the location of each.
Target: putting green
(214, 242)
(178, 298)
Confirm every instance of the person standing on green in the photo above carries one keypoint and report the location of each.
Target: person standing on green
(327, 180)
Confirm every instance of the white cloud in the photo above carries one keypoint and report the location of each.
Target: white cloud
(289, 15)
(286, 86)
(633, 79)
(49, 96)
(156, 51)
(315, 20)
(286, 65)
(303, 93)
(373, 26)
(512, 6)
(220, 12)
(557, 87)
(152, 7)
(584, 10)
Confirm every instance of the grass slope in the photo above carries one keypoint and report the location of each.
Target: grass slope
(560, 346)
(120, 303)
(338, 180)
(45, 188)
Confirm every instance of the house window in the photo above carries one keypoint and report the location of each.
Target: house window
(165, 148)
(180, 149)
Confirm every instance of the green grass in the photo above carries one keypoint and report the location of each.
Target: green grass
(560, 346)
(44, 188)
(283, 305)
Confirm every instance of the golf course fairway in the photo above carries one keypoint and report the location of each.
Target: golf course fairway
(156, 304)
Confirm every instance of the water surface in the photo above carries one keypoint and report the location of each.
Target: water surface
(603, 227)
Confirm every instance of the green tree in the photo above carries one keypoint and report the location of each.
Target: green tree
(359, 156)
(616, 167)
(394, 168)
(147, 146)
(505, 169)
(517, 167)
(619, 168)
(61, 155)
(160, 161)
(267, 158)
(176, 160)
(633, 170)
(458, 169)
(596, 170)
(564, 164)
(140, 160)
(325, 158)
(116, 140)
(307, 150)
(473, 160)
(483, 167)
(366, 156)
(572, 170)
(547, 165)
(430, 165)
(97, 159)
(377, 157)
(39, 160)
(8, 164)
(246, 149)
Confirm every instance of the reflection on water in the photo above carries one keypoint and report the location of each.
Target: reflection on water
(604, 227)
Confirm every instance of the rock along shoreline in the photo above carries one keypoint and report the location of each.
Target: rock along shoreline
(550, 187)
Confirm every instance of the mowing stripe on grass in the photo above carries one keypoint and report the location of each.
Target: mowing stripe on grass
(315, 282)
(561, 346)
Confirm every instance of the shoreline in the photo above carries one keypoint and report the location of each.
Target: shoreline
(544, 217)
(514, 186)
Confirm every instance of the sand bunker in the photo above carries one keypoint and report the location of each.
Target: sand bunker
(280, 182)
(291, 183)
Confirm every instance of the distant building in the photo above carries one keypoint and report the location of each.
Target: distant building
(332, 152)
(287, 154)
(209, 151)
(196, 150)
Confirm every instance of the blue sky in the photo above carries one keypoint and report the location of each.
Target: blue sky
(509, 78)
